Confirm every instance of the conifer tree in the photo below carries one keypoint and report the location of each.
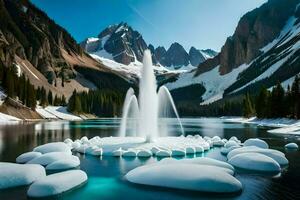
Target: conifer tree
(50, 97)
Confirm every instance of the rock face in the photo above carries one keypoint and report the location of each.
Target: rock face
(28, 33)
(255, 30)
(120, 41)
(124, 45)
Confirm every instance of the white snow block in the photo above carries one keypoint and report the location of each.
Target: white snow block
(57, 183)
(178, 152)
(185, 176)
(129, 153)
(63, 164)
(291, 146)
(53, 147)
(278, 156)
(163, 153)
(49, 158)
(13, 175)
(144, 153)
(26, 157)
(256, 142)
(255, 161)
(231, 143)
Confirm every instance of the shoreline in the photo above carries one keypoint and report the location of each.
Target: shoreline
(279, 125)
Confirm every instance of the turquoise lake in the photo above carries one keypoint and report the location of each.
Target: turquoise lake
(106, 174)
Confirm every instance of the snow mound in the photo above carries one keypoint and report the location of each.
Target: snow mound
(63, 164)
(274, 154)
(26, 157)
(199, 161)
(178, 152)
(255, 161)
(53, 147)
(231, 143)
(185, 176)
(163, 153)
(49, 158)
(291, 146)
(256, 142)
(57, 183)
(13, 175)
(144, 153)
(129, 153)
(225, 150)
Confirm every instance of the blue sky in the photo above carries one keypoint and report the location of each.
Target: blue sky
(199, 23)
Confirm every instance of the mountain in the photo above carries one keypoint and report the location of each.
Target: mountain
(42, 50)
(263, 50)
(124, 45)
(118, 42)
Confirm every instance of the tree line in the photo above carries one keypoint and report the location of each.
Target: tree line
(102, 103)
(275, 103)
(20, 88)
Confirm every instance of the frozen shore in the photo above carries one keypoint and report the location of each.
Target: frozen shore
(280, 125)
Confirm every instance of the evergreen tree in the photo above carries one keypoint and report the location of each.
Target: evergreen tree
(295, 95)
(248, 106)
(50, 97)
(261, 103)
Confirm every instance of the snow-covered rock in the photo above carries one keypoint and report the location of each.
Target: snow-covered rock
(129, 153)
(53, 147)
(231, 143)
(26, 157)
(144, 153)
(202, 178)
(255, 161)
(225, 150)
(274, 154)
(291, 146)
(256, 142)
(4, 118)
(118, 152)
(49, 158)
(63, 164)
(178, 152)
(163, 153)
(13, 175)
(57, 183)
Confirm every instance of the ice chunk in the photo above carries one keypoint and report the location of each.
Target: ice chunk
(13, 175)
(202, 178)
(163, 153)
(144, 153)
(57, 183)
(255, 161)
(291, 146)
(53, 147)
(256, 142)
(63, 164)
(26, 157)
(276, 155)
(49, 158)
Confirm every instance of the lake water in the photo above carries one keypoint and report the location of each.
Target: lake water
(106, 173)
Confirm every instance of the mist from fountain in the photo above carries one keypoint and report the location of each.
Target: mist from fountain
(151, 106)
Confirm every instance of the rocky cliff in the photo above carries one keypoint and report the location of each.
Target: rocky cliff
(255, 30)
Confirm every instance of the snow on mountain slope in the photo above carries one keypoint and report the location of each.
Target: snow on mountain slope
(214, 83)
(133, 70)
(289, 32)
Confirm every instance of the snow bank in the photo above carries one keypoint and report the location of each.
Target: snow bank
(202, 178)
(63, 164)
(255, 161)
(274, 154)
(4, 118)
(49, 158)
(256, 142)
(291, 146)
(13, 175)
(57, 183)
(57, 112)
(53, 147)
(26, 157)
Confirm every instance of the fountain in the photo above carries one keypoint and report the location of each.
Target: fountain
(142, 116)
